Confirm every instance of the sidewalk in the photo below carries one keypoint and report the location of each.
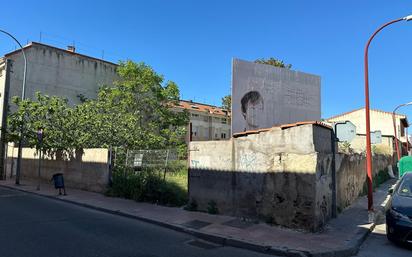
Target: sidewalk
(342, 236)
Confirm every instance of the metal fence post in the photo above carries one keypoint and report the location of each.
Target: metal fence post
(167, 157)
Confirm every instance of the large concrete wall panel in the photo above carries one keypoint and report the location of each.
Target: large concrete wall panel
(264, 96)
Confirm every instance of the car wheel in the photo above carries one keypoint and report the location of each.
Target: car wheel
(389, 235)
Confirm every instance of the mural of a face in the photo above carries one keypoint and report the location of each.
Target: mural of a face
(252, 106)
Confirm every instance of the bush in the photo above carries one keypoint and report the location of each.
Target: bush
(191, 206)
(146, 186)
(345, 147)
(212, 207)
(381, 177)
(378, 179)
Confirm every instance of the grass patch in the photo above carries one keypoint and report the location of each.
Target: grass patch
(150, 186)
(178, 177)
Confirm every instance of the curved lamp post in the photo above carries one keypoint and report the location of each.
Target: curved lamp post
(367, 110)
(23, 96)
(398, 152)
(407, 138)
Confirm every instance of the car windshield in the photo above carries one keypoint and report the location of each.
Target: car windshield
(405, 188)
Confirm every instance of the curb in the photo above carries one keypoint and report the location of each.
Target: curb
(354, 244)
(352, 249)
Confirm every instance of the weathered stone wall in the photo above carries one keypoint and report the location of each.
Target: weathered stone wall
(88, 170)
(282, 176)
(351, 175)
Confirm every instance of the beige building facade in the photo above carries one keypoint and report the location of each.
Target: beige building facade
(207, 122)
(380, 120)
(55, 72)
(59, 72)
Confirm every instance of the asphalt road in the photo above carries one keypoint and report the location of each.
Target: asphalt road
(377, 245)
(32, 226)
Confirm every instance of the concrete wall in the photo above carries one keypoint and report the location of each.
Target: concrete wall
(59, 72)
(284, 96)
(88, 170)
(282, 176)
(351, 175)
(279, 176)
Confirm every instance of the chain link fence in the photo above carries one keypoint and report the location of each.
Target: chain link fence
(140, 159)
(159, 160)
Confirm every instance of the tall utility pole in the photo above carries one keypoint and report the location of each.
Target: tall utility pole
(5, 104)
(367, 111)
(23, 96)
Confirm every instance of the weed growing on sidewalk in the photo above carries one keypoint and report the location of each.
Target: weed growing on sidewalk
(191, 206)
(212, 207)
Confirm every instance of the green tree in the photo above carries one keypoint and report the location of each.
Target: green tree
(52, 114)
(227, 102)
(274, 62)
(134, 113)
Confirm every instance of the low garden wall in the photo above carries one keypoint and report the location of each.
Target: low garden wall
(87, 170)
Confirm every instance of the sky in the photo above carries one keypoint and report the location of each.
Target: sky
(193, 42)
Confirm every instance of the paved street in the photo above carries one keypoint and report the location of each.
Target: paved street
(378, 246)
(35, 226)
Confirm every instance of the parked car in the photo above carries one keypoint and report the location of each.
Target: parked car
(399, 211)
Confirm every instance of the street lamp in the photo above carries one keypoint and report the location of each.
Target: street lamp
(367, 111)
(398, 152)
(407, 138)
(23, 96)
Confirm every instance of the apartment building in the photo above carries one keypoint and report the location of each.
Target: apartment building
(207, 122)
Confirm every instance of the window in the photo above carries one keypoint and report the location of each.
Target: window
(195, 115)
(195, 131)
(223, 135)
(224, 120)
(205, 118)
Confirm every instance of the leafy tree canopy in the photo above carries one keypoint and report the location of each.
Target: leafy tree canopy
(227, 102)
(274, 62)
(134, 113)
